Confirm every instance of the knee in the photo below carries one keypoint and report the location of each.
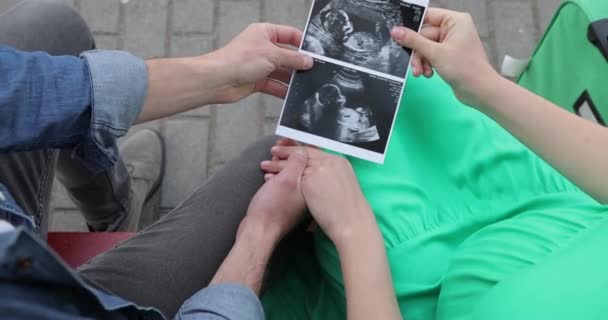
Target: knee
(60, 29)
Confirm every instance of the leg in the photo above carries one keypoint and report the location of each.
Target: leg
(56, 29)
(507, 250)
(569, 285)
(168, 262)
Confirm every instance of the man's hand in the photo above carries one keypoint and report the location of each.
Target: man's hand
(275, 210)
(279, 206)
(259, 60)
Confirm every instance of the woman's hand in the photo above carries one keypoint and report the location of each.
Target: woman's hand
(259, 60)
(330, 189)
(450, 43)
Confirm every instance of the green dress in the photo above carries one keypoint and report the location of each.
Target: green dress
(470, 217)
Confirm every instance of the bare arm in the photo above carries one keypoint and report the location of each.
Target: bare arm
(257, 60)
(367, 276)
(575, 147)
(246, 263)
(275, 209)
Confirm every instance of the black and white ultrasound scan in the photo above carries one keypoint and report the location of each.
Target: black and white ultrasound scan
(349, 100)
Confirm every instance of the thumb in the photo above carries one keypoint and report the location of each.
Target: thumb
(413, 40)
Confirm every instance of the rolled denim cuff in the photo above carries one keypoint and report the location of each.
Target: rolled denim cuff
(119, 83)
(223, 301)
(11, 213)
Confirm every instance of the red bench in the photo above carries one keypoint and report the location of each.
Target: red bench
(76, 248)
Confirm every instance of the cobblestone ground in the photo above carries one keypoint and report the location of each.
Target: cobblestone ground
(204, 139)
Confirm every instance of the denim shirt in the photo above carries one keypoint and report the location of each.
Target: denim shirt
(84, 103)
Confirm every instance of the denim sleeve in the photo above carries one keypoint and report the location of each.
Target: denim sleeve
(222, 302)
(119, 83)
(84, 103)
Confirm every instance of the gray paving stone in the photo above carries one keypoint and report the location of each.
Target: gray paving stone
(478, 9)
(60, 198)
(101, 15)
(186, 142)
(67, 221)
(237, 126)
(546, 11)
(272, 106)
(191, 45)
(516, 33)
(202, 112)
(7, 4)
(146, 27)
(293, 12)
(107, 42)
(193, 15)
(234, 16)
(270, 126)
(490, 52)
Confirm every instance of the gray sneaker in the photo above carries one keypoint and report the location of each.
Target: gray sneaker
(144, 157)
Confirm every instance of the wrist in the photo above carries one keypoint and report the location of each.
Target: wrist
(260, 234)
(351, 239)
(361, 227)
(213, 73)
(247, 261)
(482, 87)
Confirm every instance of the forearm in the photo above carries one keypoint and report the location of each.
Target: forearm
(246, 263)
(367, 279)
(574, 146)
(181, 84)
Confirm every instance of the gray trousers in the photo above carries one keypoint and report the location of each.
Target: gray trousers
(172, 259)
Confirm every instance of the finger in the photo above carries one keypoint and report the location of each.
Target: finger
(275, 166)
(428, 70)
(284, 142)
(268, 177)
(431, 33)
(285, 35)
(290, 59)
(417, 65)
(414, 40)
(282, 75)
(295, 165)
(435, 16)
(286, 152)
(273, 88)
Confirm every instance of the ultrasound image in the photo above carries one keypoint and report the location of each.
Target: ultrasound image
(358, 32)
(343, 105)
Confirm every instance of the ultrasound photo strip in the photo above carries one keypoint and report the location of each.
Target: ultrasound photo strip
(349, 101)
